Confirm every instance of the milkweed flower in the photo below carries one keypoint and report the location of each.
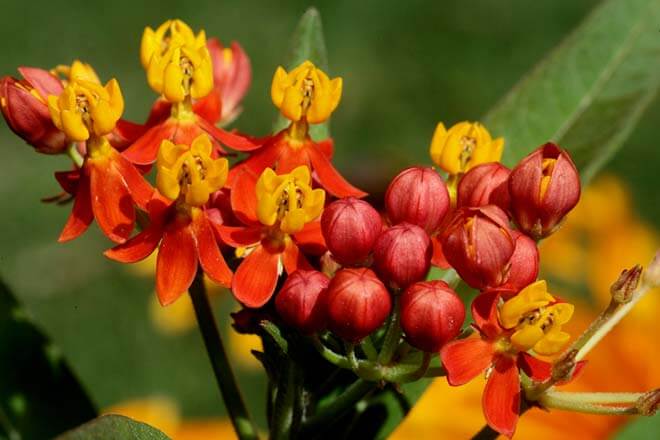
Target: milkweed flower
(306, 95)
(107, 185)
(282, 212)
(179, 67)
(510, 336)
(232, 74)
(179, 224)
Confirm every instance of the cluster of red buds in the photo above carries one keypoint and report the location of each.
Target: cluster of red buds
(288, 234)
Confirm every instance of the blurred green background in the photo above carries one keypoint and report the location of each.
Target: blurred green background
(406, 66)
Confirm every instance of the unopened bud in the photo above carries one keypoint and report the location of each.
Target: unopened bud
(652, 273)
(298, 303)
(402, 255)
(483, 184)
(648, 404)
(419, 196)
(623, 288)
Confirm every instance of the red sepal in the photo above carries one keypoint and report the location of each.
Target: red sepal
(438, 259)
(484, 313)
(255, 279)
(68, 180)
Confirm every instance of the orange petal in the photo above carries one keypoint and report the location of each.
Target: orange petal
(327, 146)
(330, 178)
(243, 196)
(137, 248)
(125, 133)
(501, 398)
(465, 359)
(257, 162)
(141, 191)
(145, 149)
(293, 259)
(177, 262)
(81, 215)
(238, 236)
(310, 239)
(484, 313)
(536, 369)
(209, 107)
(111, 201)
(292, 158)
(232, 140)
(256, 277)
(211, 259)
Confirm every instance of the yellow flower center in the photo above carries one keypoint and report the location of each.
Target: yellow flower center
(464, 146)
(76, 71)
(287, 201)
(86, 109)
(548, 167)
(177, 61)
(306, 93)
(537, 319)
(190, 174)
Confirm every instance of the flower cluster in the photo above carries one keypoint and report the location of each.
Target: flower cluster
(276, 223)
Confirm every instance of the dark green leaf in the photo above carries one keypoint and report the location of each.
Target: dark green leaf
(642, 428)
(113, 427)
(307, 44)
(590, 91)
(39, 395)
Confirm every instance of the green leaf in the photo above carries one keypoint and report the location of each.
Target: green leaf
(641, 428)
(111, 427)
(39, 395)
(307, 43)
(590, 91)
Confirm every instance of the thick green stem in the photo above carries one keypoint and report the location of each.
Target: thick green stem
(392, 335)
(245, 428)
(367, 346)
(347, 400)
(575, 402)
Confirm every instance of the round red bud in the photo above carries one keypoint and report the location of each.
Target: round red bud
(350, 228)
(298, 303)
(543, 188)
(402, 255)
(356, 303)
(524, 263)
(419, 196)
(480, 183)
(431, 315)
(477, 243)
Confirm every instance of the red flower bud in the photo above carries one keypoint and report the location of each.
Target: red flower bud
(298, 303)
(478, 245)
(524, 263)
(482, 184)
(431, 315)
(350, 227)
(418, 196)
(402, 255)
(543, 187)
(356, 304)
(24, 106)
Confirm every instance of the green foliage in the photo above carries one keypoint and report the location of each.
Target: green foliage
(643, 428)
(111, 427)
(588, 94)
(39, 395)
(307, 43)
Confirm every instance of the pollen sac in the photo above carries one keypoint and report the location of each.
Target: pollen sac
(190, 173)
(305, 93)
(86, 109)
(298, 302)
(350, 228)
(478, 244)
(419, 196)
(543, 188)
(287, 201)
(464, 146)
(536, 318)
(24, 106)
(177, 62)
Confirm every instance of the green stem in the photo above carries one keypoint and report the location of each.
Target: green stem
(329, 355)
(392, 335)
(357, 391)
(245, 428)
(369, 349)
(74, 155)
(573, 402)
(350, 354)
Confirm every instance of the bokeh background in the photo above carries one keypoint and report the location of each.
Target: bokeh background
(406, 66)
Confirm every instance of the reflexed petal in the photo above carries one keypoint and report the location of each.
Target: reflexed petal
(438, 259)
(534, 368)
(145, 150)
(255, 279)
(293, 259)
(211, 259)
(484, 313)
(243, 195)
(209, 107)
(311, 238)
(137, 248)
(330, 178)
(232, 140)
(111, 201)
(501, 398)
(238, 236)
(465, 359)
(141, 191)
(177, 262)
(81, 215)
